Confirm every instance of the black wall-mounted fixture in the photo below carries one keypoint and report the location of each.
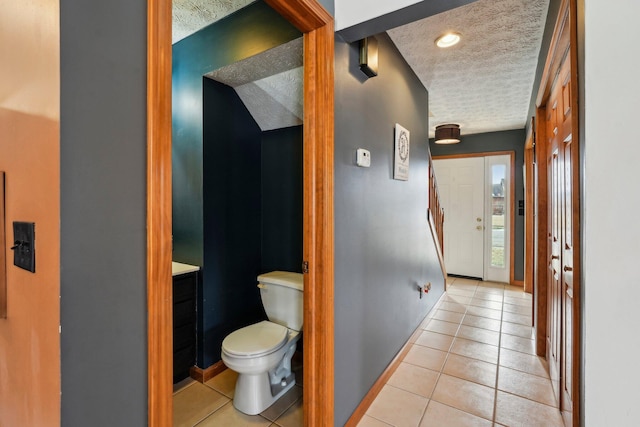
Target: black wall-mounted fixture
(447, 134)
(369, 56)
(24, 245)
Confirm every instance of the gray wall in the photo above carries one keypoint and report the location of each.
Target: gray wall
(511, 140)
(552, 15)
(383, 246)
(103, 213)
(329, 5)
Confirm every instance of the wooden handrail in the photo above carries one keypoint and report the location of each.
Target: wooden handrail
(435, 209)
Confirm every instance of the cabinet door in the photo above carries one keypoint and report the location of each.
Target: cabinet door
(184, 324)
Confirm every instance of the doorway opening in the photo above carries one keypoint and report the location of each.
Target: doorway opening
(317, 25)
(477, 193)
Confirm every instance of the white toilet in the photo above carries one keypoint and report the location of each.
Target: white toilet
(261, 353)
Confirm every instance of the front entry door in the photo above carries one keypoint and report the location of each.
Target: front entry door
(461, 187)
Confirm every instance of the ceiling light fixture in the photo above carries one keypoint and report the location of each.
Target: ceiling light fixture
(448, 40)
(447, 134)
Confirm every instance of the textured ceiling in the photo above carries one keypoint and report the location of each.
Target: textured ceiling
(269, 84)
(190, 16)
(484, 83)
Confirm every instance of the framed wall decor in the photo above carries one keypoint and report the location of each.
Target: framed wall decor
(401, 162)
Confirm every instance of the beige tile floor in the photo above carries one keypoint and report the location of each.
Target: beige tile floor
(210, 405)
(473, 364)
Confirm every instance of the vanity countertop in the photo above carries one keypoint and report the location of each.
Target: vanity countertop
(179, 268)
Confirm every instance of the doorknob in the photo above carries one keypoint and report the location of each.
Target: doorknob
(479, 227)
(567, 268)
(555, 257)
(479, 219)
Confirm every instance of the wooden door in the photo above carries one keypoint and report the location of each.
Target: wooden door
(565, 133)
(317, 25)
(558, 128)
(554, 218)
(561, 217)
(461, 187)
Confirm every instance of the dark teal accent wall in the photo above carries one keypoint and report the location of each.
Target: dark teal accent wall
(511, 140)
(282, 199)
(383, 246)
(207, 164)
(232, 226)
(245, 33)
(252, 214)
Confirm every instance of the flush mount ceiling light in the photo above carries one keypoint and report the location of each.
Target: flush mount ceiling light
(447, 134)
(448, 40)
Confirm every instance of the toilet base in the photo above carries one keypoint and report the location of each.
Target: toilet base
(253, 393)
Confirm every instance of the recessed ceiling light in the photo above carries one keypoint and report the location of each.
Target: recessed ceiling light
(448, 40)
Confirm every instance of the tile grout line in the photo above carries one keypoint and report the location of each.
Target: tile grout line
(495, 395)
(441, 367)
(495, 389)
(449, 352)
(500, 336)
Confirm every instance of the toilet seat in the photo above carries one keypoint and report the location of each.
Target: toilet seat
(255, 340)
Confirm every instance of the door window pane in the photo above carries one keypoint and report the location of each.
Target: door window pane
(498, 215)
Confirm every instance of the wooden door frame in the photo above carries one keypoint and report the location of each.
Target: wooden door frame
(529, 209)
(540, 289)
(317, 25)
(563, 42)
(512, 196)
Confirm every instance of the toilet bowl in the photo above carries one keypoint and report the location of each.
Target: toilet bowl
(261, 353)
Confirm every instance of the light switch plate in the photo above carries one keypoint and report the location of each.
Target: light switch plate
(363, 158)
(24, 245)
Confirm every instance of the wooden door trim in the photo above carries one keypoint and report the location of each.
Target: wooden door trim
(317, 25)
(512, 196)
(529, 200)
(540, 266)
(563, 42)
(159, 231)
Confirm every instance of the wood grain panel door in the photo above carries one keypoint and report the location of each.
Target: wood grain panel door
(560, 336)
(558, 128)
(568, 241)
(554, 272)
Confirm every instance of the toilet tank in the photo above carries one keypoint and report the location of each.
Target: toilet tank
(281, 293)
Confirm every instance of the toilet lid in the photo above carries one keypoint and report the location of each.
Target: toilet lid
(255, 340)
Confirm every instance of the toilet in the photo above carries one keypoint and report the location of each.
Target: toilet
(261, 353)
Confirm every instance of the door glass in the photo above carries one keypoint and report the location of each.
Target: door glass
(498, 215)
